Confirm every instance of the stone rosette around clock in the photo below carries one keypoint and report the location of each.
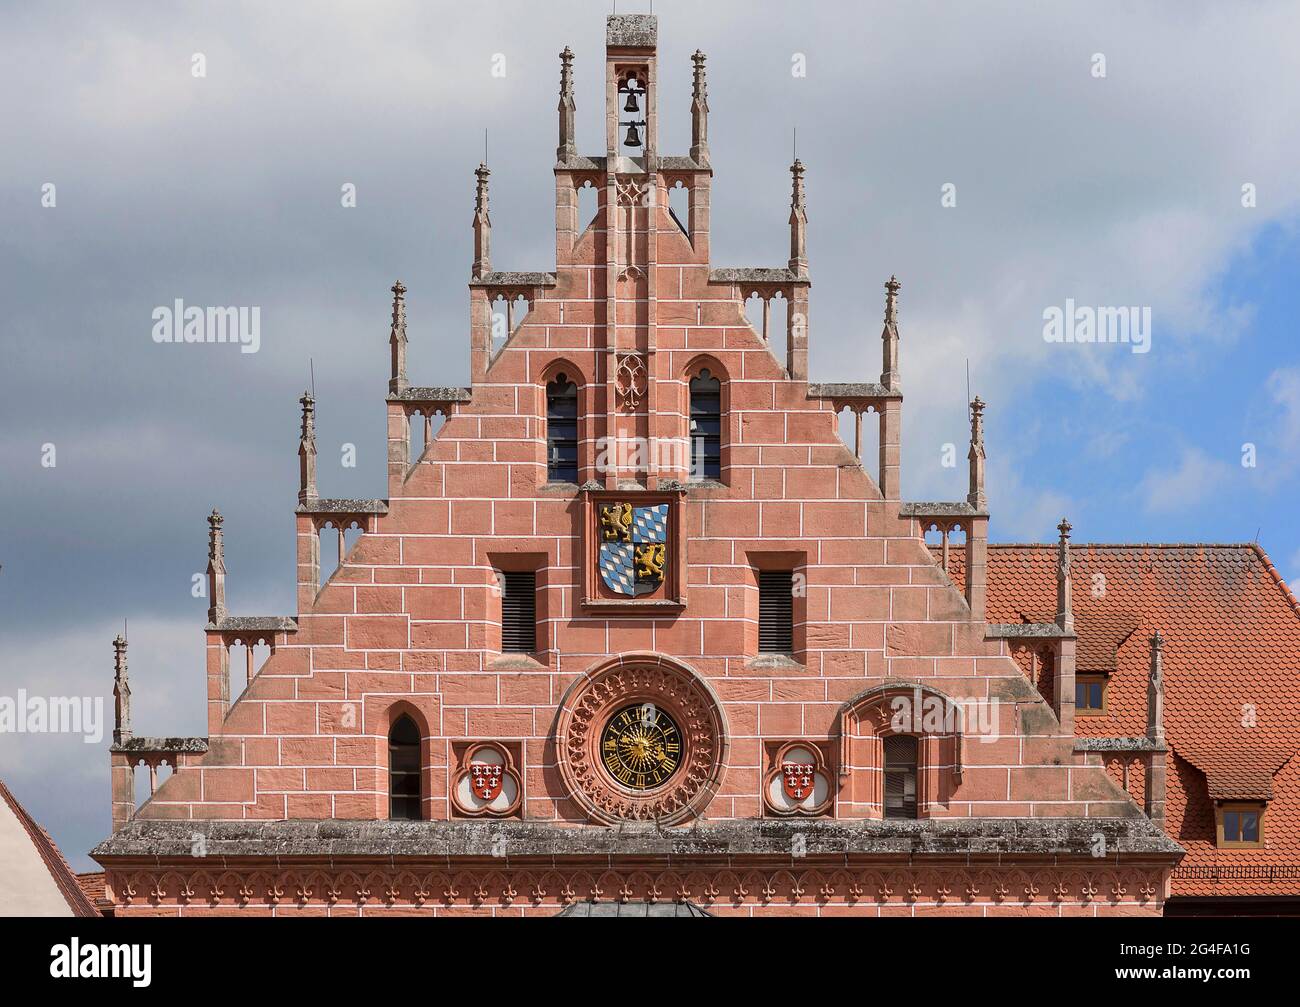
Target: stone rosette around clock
(667, 700)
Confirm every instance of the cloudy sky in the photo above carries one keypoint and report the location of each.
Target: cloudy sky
(1117, 190)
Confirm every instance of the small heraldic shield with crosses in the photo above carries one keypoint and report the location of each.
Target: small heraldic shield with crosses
(486, 778)
(633, 547)
(797, 778)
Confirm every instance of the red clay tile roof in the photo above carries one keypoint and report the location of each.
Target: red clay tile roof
(54, 861)
(1101, 634)
(1232, 679)
(93, 884)
(1228, 780)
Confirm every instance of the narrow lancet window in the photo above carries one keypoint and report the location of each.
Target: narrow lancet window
(562, 430)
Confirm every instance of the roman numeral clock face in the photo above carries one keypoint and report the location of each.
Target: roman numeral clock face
(641, 747)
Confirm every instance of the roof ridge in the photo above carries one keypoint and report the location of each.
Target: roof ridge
(1124, 545)
(1287, 593)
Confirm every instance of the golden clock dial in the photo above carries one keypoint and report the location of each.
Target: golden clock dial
(641, 747)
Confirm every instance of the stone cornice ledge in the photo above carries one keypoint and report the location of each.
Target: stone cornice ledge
(959, 508)
(984, 838)
(254, 624)
(338, 505)
(1119, 745)
(1025, 631)
(515, 280)
(598, 162)
(757, 274)
(851, 390)
(145, 744)
(432, 393)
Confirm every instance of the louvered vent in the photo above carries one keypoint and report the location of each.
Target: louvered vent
(519, 612)
(775, 612)
(900, 776)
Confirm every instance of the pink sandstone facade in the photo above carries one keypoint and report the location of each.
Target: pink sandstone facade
(771, 790)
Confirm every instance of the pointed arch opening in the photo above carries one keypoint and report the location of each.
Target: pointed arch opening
(706, 418)
(562, 428)
(902, 745)
(405, 792)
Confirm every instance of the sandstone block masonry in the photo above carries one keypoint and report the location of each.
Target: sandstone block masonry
(637, 321)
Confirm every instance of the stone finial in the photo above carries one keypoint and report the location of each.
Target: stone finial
(308, 404)
(307, 450)
(121, 693)
(215, 546)
(889, 375)
(699, 86)
(976, 497)
(1156, 690)
(699, 112)
(566, 72)
(482, 225)
(568, 148)
(482, 173)
(1064, 591)
(977, 421)
(798, 221)
(397, 340)
(216, 569)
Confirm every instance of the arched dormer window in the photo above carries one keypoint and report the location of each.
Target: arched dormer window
(900, 775)
(706, 426)
(561, 430)
(904, 742)
(404, 789)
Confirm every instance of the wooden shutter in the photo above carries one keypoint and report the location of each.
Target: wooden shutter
(519, 612)
(775, 612)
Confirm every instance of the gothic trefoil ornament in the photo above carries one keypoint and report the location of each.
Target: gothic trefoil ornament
(633, 547)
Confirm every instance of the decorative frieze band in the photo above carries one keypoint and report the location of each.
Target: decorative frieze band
(560, 886)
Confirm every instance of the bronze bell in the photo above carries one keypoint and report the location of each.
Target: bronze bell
(633, 137)
(630, 105)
